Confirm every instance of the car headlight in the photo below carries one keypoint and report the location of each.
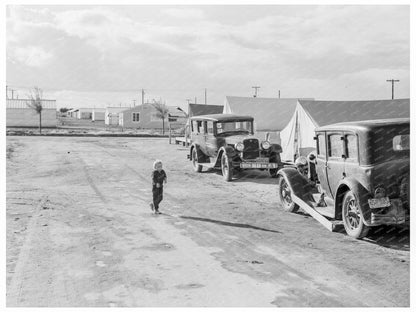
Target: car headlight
(265, 145)
(239, 146)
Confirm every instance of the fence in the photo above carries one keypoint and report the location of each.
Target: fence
(23, 103)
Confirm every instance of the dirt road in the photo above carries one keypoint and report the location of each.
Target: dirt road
(80, 233)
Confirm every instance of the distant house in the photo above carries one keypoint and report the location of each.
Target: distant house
(72, 112)
(84, 113)
(19, 114)
(146, 117)
(112, 115)
(98, 114)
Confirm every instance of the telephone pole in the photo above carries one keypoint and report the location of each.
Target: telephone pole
(279, 94)
(134, 102)
(392, 87)
(195, 100)
(205, 96)
(142, 96)
(7, 93)
(255, 92)
(188, 100)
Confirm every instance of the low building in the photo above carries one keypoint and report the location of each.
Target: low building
(98, 114)
(72, 112)
(84, 113)
(19, 114)
(112, 115)
(146, 117)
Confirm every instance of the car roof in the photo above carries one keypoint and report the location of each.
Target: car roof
(366, 125)
(222, 117)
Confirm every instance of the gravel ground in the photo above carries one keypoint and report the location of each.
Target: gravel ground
(80, 233)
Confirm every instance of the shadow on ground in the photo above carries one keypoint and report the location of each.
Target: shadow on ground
(240, 225)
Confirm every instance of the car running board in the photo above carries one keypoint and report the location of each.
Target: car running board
(330, 225)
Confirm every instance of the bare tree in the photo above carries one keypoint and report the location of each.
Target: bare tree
(35, 103)
(161, 112)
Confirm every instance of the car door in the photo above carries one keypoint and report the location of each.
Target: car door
(210, 141)
(351, 154)
(335, 168)
(321, 162)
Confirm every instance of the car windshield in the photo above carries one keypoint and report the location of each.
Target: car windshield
(233, 127)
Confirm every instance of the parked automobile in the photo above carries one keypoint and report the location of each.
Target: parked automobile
(360, 175)
(227, 142)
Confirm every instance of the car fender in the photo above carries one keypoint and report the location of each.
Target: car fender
(276, 148)
(230, 151)
(200, 155)
(298, 184)
(360, 191)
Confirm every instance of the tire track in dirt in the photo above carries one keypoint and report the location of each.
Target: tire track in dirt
(313, 292)
(14, 291)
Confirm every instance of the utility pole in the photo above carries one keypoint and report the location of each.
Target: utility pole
(188, 100)
(255, 92)
(7, 92)
(134, 102)
(12, 93)
(205, 96)
(279, 94)
(392, 87)
(195, 100)
(142, 96)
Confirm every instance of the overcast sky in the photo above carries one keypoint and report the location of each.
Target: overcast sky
(87, 56)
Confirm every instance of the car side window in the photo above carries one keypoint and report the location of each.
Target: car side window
(321, 145)
(210, 127)
(351, 144)
(335, 145)
(195, 126)
(200, 127)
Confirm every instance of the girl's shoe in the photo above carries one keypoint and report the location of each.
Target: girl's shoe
(152, 206)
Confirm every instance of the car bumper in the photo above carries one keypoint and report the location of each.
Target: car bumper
(258, 165)
(394, 214)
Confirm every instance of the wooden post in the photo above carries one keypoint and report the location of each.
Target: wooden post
(170, 133)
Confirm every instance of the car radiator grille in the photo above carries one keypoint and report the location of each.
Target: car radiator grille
(251, 149)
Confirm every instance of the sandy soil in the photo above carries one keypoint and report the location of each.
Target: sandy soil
(80, 233)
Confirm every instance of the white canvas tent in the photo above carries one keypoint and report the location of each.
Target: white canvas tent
(270, 114)
(297, 138)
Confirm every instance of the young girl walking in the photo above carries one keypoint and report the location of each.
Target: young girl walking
(158, 178)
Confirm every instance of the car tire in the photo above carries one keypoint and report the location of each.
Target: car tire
(226, 167)
(197, 167)
(284, 195)
(352, 216)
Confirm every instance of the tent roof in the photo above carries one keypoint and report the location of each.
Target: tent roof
(202, 109)
(330, 112)
(268, 113)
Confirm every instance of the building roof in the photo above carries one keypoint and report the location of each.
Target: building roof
(331, 112)
(204, 109)
(223, 117)
(269, 113)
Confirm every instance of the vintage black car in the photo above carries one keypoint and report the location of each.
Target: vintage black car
(360, 175)
(227, 142)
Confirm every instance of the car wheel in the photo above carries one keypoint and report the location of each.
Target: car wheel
(285, 195)
(226, 167)
(197, 167)
(352, 216)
